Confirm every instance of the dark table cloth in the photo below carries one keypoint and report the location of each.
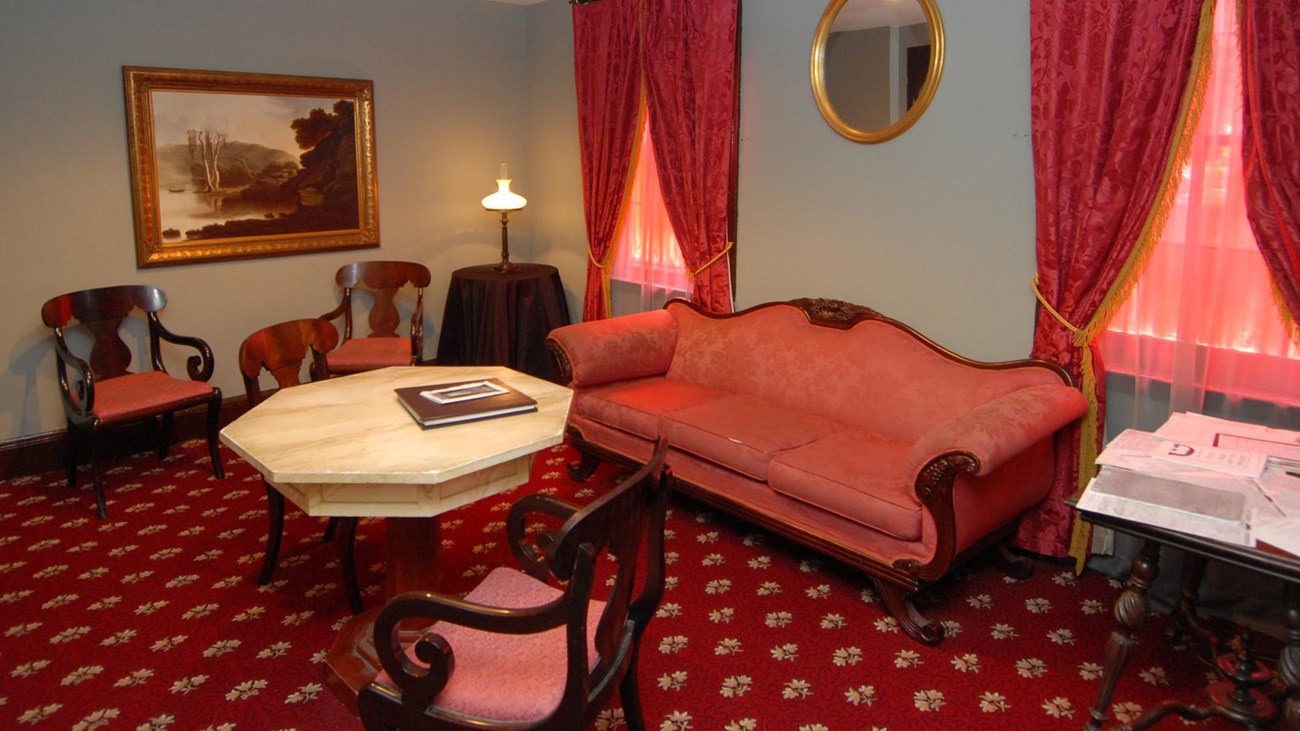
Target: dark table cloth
(502, 318)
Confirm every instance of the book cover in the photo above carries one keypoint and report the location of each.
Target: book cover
(455, 403)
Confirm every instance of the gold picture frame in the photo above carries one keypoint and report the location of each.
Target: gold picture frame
(212, 180)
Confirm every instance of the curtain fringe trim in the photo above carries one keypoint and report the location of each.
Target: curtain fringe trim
(1188, 116)
(1288, 319)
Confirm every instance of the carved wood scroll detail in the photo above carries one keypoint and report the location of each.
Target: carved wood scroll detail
(563, 367)
(940, 472)
(832, 311)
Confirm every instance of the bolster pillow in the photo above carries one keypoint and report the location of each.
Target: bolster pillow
(618, 348)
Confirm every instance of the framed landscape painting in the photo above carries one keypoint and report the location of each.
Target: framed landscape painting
(228, 165)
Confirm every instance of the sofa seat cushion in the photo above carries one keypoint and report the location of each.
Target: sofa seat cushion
(636, 406)
(856, 474)
(743, 432)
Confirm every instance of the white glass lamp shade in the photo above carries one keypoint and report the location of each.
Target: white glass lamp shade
(504, 199)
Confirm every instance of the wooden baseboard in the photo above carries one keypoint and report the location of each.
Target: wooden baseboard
(38, 453)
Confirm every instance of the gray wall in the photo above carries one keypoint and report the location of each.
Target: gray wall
(934, 227)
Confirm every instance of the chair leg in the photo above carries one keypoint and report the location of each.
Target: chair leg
(630, 694)
(97, 474)
(275, 510)
(214, 418)
(587, 463)
(347, 538)
(330, 527)
(166, 427)
(1009, 563)
(70, 441)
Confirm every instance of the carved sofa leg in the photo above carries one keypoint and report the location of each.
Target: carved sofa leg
(900, 606)
(579, 471)
(1011, 564)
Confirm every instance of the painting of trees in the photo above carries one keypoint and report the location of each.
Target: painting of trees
(205, 152)
(227, 164)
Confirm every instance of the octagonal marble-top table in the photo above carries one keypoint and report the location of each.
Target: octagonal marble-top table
(346, 447)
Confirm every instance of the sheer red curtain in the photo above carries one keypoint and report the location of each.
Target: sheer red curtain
(1270, 52)
(607, 74)
(692, 86)
(647, 251)
(1201, 319)
(1108, 82)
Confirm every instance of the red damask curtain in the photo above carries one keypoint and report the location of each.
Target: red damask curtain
(692, 69)
(1270, 60)
(1110, 91)
(607, 74)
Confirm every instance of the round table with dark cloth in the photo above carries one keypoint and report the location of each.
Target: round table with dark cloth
(502, 318)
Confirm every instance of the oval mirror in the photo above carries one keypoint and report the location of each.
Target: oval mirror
(875, 65)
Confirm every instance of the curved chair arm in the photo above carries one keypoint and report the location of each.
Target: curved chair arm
(199, 366)
(417, 329)
(342, 309)
(337, 312)
(421, 684)
(83, 402)
(533, 563)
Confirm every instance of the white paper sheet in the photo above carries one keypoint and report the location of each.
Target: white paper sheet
(1279, 444)
(1204, 512)
(1271, 499)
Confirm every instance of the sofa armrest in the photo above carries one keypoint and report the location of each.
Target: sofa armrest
(998, 430)
(616, 349)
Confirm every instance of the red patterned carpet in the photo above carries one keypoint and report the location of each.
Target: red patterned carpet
(153, 619)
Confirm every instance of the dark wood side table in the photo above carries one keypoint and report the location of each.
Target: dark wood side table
(502, 318)
(1244, 690)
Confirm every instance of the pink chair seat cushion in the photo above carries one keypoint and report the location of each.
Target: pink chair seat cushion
(855, 474)
(507, 678)
(363, 354)
(136, 395)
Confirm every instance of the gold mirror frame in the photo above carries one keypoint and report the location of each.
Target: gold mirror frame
(818, 69)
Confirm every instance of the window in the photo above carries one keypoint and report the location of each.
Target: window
(646, 250)
(1203, 310)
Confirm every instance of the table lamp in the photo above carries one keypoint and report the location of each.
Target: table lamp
(504, 201)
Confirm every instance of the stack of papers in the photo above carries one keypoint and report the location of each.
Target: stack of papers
(1204, 476)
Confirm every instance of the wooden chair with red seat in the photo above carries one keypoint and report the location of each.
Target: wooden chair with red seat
(281, 349)
(98, 390)
(383, 347)
(517, 652)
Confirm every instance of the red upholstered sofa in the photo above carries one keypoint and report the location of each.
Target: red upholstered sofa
(827, 423)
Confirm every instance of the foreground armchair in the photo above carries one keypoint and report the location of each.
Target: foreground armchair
(517, 652)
